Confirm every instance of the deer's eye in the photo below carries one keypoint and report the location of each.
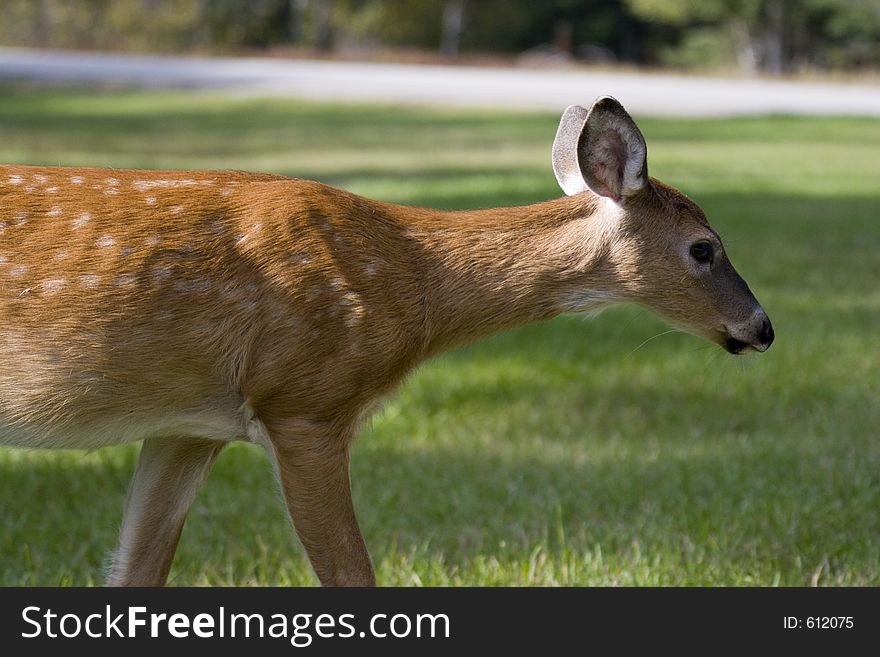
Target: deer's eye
(702, 252)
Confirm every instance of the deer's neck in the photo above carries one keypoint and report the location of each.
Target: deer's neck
(485, 271)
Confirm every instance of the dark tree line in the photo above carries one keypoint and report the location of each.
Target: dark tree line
(771, 36)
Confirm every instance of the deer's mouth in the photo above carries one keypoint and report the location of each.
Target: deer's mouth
(734, 346)
(759, 336)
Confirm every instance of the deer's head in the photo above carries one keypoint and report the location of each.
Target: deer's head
(662, 253)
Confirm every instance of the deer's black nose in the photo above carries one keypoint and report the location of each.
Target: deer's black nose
(766, 334)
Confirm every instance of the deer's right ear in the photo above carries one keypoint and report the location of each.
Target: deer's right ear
(600, 149)
(565, 150)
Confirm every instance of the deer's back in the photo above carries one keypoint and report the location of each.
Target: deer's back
(179, 301)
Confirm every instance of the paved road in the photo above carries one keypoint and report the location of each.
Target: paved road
(513, 88)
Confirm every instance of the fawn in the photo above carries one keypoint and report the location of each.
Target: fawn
(190, 309)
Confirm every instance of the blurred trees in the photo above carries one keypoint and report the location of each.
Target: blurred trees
(98, 23)
(770, 36)
(773, 36)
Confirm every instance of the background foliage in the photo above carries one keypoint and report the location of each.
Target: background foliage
(770, 36)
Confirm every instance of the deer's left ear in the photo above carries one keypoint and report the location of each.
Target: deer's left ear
(565, 150)
(601, 149)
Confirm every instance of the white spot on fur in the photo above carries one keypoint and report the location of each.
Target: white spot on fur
(51, 190)
(161, 273)
(150, 200)
(54, 284)
(90, 280)
(30, 189)
(112, 181)
(144, 185)
(225, 191)
(125, 280)
(153, 240)
(82, 220)
(18, 270)
(105, 241)
(61, 255)
(16, 180)
(56, 211)
(21, 218)
(356, 310)
(2, 227)
(111, 191)
(177, 209)
(372, 267)
(247, 304)
(76, 180)
(40, 178)
(3, 259)
(301, 259)
(202, 285)
(229, 290)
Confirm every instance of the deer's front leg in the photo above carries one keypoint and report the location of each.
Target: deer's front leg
(312, 463)
(168, 476)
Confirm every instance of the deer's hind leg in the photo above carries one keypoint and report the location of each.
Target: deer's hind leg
(169, 473)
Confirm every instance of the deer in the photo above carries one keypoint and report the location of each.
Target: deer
(191, 309)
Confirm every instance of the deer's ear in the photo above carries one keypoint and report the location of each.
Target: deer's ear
(565, 150)
(600, 149)
(611, 151)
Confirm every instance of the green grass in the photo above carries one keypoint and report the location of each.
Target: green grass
(558, 453)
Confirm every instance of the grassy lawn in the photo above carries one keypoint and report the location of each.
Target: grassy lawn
(558, 453)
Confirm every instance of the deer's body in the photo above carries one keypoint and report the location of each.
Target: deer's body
(191, 309)
(227, 295)
(192, 312)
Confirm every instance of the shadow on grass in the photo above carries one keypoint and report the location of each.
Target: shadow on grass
(758, 508)
(133, 125)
